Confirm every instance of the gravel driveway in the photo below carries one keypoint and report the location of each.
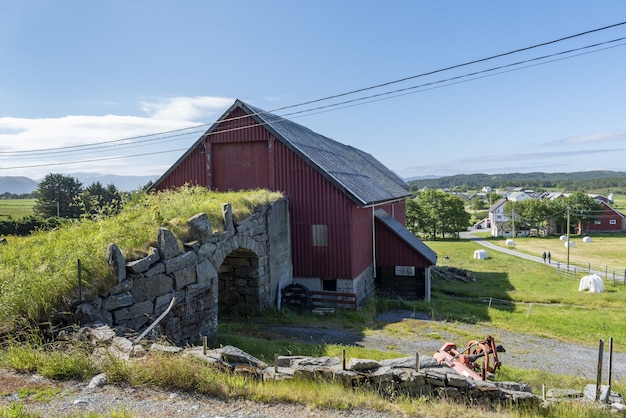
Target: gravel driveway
(522, 350)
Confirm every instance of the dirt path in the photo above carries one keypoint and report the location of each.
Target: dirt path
(522, 350)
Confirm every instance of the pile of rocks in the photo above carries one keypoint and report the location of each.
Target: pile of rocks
(394, 376)
(387, 376)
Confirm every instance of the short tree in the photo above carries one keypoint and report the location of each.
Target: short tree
(56, 196)
(99, 200)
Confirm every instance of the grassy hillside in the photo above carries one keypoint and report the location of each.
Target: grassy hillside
(525, 296)
(39, 272)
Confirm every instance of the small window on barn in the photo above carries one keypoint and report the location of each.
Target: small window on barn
(597, 221)
(613, 222)
(329, 285)
(319, 234)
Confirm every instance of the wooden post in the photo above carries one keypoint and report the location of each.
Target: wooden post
(343, 359)
(80, 282)
(610, 363)
(417, 362)
(204, 345)
(599, 376)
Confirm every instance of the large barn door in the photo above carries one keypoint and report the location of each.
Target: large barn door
(240, 165)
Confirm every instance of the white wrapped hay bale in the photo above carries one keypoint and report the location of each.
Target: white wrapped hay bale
(587, 239)
(593, 283)
(571, 244)
(510, 242)
(480, 254)
(563, 237)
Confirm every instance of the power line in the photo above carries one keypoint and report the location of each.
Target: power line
(167, 135)
(468, 63)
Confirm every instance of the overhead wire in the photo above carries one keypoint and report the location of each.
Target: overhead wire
(166, 136)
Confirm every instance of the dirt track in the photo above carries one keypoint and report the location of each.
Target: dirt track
(522, 350)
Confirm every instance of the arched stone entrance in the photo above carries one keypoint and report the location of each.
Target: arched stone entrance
(238, 283)
(239, 269)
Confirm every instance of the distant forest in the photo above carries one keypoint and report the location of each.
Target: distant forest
(582, 181)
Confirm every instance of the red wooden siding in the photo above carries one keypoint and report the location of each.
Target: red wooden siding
(392, 251)
(313, 200)
(233, 158)
(193, 171)
(608, 215)
(240, 166)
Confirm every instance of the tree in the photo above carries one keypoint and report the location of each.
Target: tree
(535, 212)
(56, 196)
(99, 200)
(435, 212)
(583, 208)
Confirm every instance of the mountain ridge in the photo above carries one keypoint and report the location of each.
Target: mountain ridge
(533, 179)
(22, 184)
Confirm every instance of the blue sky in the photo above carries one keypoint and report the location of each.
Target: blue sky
(76, 74)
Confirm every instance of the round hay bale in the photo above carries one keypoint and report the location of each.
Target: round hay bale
(571, 244)
(563, 237)
(510, 242)
(593, 283)
(480, 254)
(587, 239)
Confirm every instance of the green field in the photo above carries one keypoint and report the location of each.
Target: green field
(16, 208)
(604, 252)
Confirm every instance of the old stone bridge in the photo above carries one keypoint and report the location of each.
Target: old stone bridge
(240, 269)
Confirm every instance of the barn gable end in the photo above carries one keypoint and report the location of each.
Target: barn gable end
(333, 190)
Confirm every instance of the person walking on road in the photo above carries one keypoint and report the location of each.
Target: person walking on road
(549, 257)
(544, 256)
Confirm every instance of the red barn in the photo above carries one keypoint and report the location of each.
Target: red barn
(610, 220)
(347, 210)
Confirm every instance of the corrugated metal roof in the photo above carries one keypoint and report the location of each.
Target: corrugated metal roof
(406, 235)
(357, 173)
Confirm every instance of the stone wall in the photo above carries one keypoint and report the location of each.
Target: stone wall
(213, 271)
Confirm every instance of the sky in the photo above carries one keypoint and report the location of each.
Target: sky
(428, 88)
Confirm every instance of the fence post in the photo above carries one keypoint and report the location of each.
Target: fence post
(80, 282)
(599, 375)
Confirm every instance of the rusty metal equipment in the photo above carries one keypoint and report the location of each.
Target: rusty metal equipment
(465, 361)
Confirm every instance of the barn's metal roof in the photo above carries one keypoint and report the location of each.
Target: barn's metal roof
(366, 180)
(407, 236)
(358, 174)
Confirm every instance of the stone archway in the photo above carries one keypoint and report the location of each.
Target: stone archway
(238, 283)
(239, 269)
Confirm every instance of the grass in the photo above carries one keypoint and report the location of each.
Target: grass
(604, 250)
(513, 285)
(16, 208)
(38, 275)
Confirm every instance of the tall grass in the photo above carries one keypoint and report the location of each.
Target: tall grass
(38, 274)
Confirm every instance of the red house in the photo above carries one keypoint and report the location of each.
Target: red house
(610, 220)
(347, 210)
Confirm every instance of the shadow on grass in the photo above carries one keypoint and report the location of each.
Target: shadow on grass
(470, 301)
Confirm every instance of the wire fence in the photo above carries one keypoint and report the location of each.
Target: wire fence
(608, 273)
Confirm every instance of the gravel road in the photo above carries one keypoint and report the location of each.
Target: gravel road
(522, 350)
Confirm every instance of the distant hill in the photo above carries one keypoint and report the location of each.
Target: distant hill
(566, 181)
(17, 185)
(21, 185)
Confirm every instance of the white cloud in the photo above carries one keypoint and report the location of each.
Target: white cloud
(21, 138)
(585, 139)
(186, 108)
